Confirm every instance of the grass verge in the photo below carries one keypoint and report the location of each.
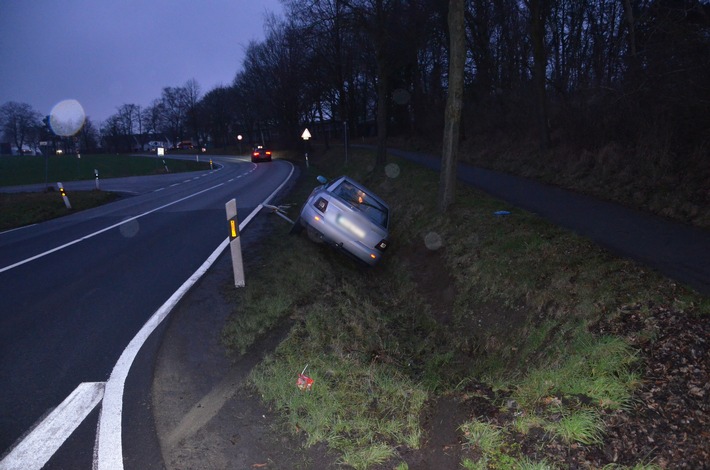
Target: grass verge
(464, 297)
(19, 209)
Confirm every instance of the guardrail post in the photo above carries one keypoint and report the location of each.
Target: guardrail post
(64, 195)
(235, 245)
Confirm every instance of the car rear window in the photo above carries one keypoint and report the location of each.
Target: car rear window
(363, 201)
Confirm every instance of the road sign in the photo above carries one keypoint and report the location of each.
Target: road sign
(306, 135)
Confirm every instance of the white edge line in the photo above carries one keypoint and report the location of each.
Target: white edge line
(18, 228)
(109, 452)
(37, 448)
(86, 237)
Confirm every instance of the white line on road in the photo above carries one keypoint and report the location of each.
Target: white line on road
(86, 237)
(18, 228)
(38, 447)
(108, 454)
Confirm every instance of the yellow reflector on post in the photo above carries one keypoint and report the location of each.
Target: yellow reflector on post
(233, 228)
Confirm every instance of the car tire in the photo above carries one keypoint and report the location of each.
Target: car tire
(297, 227)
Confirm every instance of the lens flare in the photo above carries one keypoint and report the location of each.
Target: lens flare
(433, 241)
(67, 118)
(392, 170)
(129, 228)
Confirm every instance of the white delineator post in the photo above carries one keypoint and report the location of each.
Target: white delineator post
(64, 195)
(235, 245)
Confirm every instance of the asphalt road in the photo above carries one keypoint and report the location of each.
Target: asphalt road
(76, 290)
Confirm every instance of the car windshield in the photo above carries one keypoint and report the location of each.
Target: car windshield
(361, 200)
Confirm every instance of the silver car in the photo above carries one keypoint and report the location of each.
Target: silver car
(345, 214)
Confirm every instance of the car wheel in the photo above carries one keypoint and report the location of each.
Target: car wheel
(297, 227)
(313, 234)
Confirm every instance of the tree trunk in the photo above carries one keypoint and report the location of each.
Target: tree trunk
(537, 36)
(454, 104)
(382, 85)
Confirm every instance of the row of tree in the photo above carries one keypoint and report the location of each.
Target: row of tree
(580, 71)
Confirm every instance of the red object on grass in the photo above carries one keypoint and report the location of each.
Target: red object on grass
(304, 382)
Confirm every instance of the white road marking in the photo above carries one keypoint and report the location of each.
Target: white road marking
(37, 448)
(18, 228)
(86, 237)
(108, 454)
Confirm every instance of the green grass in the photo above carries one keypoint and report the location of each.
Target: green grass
(19, 209)
(378, 353)
(22, 170)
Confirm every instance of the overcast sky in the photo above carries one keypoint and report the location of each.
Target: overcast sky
(105, 53)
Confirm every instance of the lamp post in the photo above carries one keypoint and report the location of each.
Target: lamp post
(239, 138)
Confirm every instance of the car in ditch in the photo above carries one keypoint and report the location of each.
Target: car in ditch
(348, 216)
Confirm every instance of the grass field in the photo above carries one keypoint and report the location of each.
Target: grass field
(462, 301)
(35, 169)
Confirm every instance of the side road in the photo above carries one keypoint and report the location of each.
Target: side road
(679, 251)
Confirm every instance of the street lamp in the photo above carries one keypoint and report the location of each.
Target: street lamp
(239, 138)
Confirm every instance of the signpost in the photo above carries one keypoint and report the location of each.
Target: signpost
(305, 136)
(64, 195)
(235, 245)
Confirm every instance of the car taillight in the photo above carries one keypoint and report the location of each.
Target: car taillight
(382, 246)
(268, 154)
(321, 204)
(255, 154)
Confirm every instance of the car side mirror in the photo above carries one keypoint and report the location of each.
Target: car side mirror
(322, 179)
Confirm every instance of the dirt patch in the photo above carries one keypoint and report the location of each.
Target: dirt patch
(434, 282)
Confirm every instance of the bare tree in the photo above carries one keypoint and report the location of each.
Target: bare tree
(129, 116)
(20, 123)
(454, 104)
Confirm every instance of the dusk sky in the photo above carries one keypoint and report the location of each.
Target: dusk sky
(106, 53)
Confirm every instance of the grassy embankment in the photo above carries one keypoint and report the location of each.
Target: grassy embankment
(460, 299)
(18, 209)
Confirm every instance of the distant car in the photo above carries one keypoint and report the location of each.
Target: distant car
(185, 144)
(260, 154)
(348, 216)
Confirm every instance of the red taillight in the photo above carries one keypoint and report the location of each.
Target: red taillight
(321, 204)
(255, 154)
